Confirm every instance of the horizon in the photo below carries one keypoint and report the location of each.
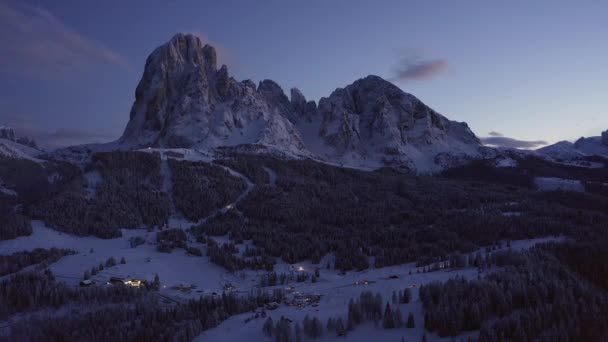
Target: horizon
(533, 83)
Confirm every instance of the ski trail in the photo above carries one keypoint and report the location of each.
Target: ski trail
(271, 175)
(165, 172)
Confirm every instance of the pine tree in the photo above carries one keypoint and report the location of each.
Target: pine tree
(87, 276)
(340, 329)
(388, 321)
(317, 328)
(156, 283)
(123, 261)
(298, 331)
(398, 318)
(331, 325)
(407, 295)
(110, 262)
(410, 321)
(268, 327)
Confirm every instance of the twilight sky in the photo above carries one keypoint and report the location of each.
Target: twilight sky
(519, 72)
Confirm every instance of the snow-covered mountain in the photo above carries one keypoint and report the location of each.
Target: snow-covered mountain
(583, 147)
(19, 148)
(184, 100)
(372, 119)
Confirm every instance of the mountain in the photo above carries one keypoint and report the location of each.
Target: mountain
(374, 119)
(183, 100)
(582, 148)
(19, 148)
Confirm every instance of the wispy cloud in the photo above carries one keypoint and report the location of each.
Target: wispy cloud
(26, 126)
(37, 43)
(414, 69)
(495, 134)
(498, 140)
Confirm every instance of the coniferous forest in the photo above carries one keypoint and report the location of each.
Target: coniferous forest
(305, 211)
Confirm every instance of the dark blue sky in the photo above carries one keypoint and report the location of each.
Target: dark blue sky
(532, 70)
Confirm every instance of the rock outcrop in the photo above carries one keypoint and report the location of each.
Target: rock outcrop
(183, 100)
(7, 133)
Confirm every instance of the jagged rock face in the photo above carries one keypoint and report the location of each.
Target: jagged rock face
(374, 119)
(183, 100)
(7, 133)
(305, 110)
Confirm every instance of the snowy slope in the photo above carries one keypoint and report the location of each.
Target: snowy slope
(337, 290)
(374, 123)
(583, 147)
(178, 270)
(13, 149)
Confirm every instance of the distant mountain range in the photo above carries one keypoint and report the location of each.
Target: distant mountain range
(184, 100)
(583, 147)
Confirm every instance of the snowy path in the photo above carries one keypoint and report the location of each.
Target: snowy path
(167, 175)
(183, 223)
(271, 175)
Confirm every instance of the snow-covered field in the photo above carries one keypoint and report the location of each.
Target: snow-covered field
(198, 275)
(143, 262)
(337, 290)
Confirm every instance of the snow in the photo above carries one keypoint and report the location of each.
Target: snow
(183, 276)
(7, 191)
(166, 174)
(271, 175)
(505, 161)
(553, 184)
(567, 151)
(143, 262)
(93, 179)
(13, 149)
(337, 290)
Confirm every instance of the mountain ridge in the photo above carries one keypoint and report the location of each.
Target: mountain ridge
(184, 101)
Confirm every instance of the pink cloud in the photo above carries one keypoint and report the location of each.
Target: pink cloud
(37, 43)
(419, 70)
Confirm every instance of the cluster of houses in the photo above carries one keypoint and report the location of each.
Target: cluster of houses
(116, 281)
(301, 300)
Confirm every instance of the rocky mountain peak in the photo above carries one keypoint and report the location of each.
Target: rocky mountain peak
(374, 119)
(183, 100)
(605, 137)
(297, 99)
(7, 133)
(276, 99)
(186, 49)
